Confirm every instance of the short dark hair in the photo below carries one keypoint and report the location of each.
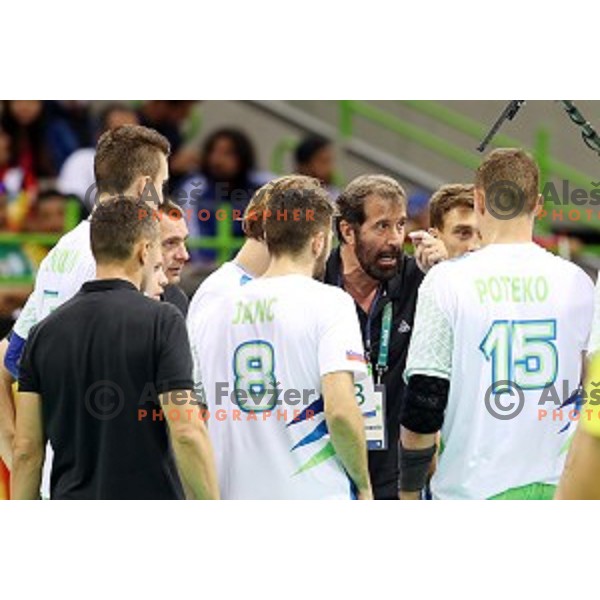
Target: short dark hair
(117, 225)
(308, 147)
(254, 216)
(515, 175)
(351, 202)
(126, 153)
(296, 196)
(452, 195)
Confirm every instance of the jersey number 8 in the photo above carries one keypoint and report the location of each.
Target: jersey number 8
(255, 383)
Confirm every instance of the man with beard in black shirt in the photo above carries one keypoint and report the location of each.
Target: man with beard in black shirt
(370, 265)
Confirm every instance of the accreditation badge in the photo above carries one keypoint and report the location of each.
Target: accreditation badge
(371, 401)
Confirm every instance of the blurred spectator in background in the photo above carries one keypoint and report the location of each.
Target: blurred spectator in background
(50, 212)
(14, 264)
(25, 123)
(76, 177)
(70, 127)
(168, 118)
(48, 216)
(315, 157)
(228, 176)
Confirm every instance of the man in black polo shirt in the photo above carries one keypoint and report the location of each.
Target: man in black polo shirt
(95, 373)
(371, 267)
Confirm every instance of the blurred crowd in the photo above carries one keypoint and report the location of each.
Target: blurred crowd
(47, 181)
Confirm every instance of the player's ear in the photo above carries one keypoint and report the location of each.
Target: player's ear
(139, 186)
(539, 206)
(347, 232)
(434, 231)
(141, 252)
(318, 243)
(479, 201)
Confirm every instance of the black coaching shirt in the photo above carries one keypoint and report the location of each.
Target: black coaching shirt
(174, 295)
(402, 291)
(99, 361)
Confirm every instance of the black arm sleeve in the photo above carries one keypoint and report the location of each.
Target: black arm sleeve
(28, 379)
(424, 404)
(174, 369)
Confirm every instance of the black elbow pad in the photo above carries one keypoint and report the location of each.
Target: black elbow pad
(424, 404)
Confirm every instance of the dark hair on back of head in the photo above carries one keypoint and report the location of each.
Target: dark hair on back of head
(117, 224)
(297, 209)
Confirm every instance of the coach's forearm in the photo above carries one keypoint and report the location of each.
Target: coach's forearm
(26, 474)
(7, 417)
(195, 461)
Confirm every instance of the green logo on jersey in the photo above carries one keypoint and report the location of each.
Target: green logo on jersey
(512, 289)
(63, 261)
(257, 311)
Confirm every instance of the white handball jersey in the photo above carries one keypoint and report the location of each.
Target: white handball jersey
(508, 312)
(60, 276)
(221, 283)
(263, 352)
(226, 279)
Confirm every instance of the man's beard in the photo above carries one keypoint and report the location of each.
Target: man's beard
(368, 261)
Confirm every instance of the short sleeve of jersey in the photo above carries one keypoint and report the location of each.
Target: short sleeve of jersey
(27, 318)
(340, 341)
(28, 379)
(174, 368)
(430, 350)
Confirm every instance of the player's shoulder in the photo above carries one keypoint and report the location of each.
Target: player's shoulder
(562, 269)
(222, 279)
(450, 269)
(326, 297)
(77, 239)
(75, 235)
(222, 282)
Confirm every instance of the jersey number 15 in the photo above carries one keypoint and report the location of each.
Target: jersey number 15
(522, 352)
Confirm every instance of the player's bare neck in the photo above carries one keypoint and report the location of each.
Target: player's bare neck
(357, 283)
(114, 271)
(518, 233)
(253, 258)
(285, 265)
